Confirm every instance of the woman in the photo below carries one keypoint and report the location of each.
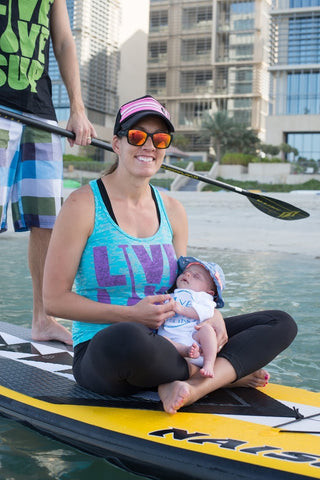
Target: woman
(118, 240)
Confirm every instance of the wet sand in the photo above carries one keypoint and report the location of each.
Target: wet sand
(227, 220)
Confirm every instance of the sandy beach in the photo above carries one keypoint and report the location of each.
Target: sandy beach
(227, 220)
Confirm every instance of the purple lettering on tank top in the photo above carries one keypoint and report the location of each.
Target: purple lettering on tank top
(171, 255)
(103, 296)
(102, 269)
(153, 267)
(134, 296)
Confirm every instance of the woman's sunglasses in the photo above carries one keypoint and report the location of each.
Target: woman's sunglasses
(139, 138)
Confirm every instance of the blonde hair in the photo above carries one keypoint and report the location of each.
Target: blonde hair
(112, 168)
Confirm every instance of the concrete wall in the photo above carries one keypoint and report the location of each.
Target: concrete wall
(272, 173)
(278, 125)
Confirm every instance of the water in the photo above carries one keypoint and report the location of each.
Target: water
(255, 281)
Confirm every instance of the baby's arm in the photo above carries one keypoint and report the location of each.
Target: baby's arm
(189, 312)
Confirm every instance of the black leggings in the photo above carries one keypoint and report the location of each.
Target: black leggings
(127, 357)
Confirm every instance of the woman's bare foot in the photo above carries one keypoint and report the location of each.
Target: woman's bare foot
(207, 370)
(194, 351)
(257, 379)
(174, 395)
(51, 330)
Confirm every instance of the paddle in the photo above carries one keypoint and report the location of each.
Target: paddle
(271, 206)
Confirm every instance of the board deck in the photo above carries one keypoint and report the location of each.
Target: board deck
(241, 433)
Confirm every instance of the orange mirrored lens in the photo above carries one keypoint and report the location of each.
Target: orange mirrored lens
(137, 137)
(161, 140)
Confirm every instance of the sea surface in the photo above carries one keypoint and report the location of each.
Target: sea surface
(255, 281)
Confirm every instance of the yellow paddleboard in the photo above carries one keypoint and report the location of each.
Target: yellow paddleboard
(242, 433)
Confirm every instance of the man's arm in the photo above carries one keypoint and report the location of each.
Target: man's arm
(65, 52)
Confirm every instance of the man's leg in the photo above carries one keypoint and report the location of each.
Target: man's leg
(44, 327)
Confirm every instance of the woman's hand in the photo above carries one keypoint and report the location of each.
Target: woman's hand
(219, 326)
(152, 311)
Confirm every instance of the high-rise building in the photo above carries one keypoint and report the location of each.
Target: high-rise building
(209, 55)
(295, 69)
(95, 26)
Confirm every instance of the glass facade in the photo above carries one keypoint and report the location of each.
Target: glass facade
(304, 40)
(303, 96)
(307, 144)
(295, 61)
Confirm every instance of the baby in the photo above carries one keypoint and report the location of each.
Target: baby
(199, 290)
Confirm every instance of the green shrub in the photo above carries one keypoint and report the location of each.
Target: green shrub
(312, 184)
(202, 166)
(236, 159)
(162, 182)
(266, 187)
(86, 165)
(76, 159)
(179, 163)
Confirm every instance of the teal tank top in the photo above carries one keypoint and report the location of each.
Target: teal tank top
(117, 268)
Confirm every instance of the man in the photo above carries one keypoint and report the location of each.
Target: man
(31, 161)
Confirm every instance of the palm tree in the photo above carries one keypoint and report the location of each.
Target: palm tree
(229, 135)
(218, 127)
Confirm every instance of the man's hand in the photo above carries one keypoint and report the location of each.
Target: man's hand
(82, 128)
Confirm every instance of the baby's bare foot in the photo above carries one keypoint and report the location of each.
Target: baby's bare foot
(194, 351)
(207, 370)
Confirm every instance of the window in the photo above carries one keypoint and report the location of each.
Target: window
(191, 114)
(307, 144)
(196, 17)
(192, 49)
(243, 81)
(158, 20)
(303, 93)
(196, 81)
(156, 83)
(304, 40)
(244, 52)
(239, 8)
(244, 24)
(157, 52)
(304, 3)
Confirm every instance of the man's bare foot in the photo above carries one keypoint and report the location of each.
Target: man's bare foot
(207, 370)
(51, 330)
(259, 378)
(174, 395)
(194, 351)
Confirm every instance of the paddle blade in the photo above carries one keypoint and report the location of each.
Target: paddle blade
(276, 208)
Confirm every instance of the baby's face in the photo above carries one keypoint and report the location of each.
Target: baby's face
(195, 277)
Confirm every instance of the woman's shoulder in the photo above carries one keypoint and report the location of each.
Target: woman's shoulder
(80, 199)
(81, 194)
(78, 209)
(172, 205)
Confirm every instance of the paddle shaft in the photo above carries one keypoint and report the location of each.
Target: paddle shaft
(33, 122)
(270, 206)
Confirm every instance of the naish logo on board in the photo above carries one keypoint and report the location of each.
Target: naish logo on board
(233, 444)
(23, 38)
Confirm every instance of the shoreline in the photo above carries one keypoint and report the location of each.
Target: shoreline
(228, 221)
